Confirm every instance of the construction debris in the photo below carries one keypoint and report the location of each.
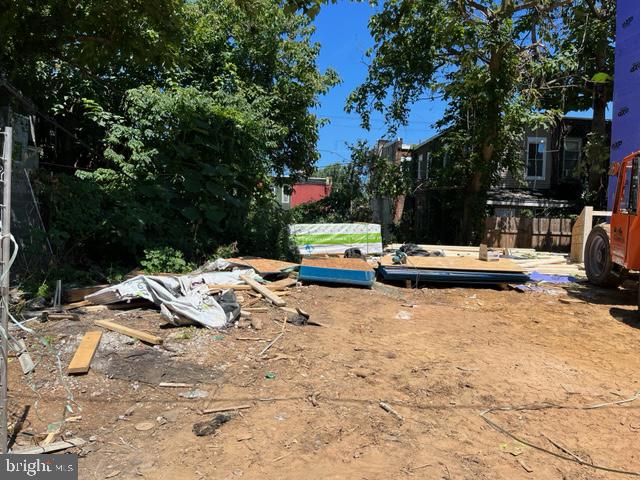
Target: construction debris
(264, 291)
(131, 332)
(209, 427)
(85, 352)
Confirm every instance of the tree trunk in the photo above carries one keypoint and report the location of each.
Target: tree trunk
(597, 146)
(398, 209)
(468, 208)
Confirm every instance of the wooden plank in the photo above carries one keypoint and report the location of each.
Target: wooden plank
(282, 284)
(53, 447)
(73, 295)
(264, 291)
(262, 265)
(207, 411)
(228, 286)
(74, 305)
(81, 360)
(455, 263)
(131, 332)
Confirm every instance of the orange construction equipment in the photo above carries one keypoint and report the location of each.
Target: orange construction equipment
(614, 249)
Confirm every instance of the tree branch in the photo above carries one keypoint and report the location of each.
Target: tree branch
(534, 4)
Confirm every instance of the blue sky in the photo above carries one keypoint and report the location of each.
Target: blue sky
(342, 30)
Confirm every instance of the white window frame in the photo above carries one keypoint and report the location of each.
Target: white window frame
(537, 141)
(285, 197)
(564, 149)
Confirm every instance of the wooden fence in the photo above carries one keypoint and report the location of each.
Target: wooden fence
(549, 234)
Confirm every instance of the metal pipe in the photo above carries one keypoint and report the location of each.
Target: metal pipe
(5, 247)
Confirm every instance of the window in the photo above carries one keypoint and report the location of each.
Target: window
(419, 176)
(286, 198)
(629, 200)
(571, 157)
(427, 166)
(536, 158)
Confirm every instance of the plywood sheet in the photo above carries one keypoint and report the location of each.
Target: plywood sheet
(262, 265)
(456, 263)
(338, 263)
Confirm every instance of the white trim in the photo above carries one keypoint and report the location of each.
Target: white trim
(420, 158)
(536, 141)
(284, 197)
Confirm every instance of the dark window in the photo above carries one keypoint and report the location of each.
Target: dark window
(571, 157)
(535, 159)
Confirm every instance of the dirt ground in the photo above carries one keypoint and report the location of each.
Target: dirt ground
(438, 357)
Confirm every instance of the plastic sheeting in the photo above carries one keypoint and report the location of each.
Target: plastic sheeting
(321, 238)
(183, 299)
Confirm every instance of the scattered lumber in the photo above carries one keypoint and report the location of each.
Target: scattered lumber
(264, 291)
(73, 295)
(85, 352)
(131, 332)
(60, 316)
(282, 284)
(245, 314)
(225, 409)
(228, 286)
(74, 305)
(175, 385)
(52, 447)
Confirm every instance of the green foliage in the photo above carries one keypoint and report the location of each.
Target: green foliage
(44, 291)
(480, 58)
(164, 260)
(188, 110)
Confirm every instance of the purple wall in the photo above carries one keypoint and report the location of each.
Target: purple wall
(625, 128)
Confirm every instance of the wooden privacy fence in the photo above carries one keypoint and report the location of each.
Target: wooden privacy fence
(550, 234)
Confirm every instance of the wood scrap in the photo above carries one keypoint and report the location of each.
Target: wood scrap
(228, 286)
(72, 295)
(175, 385)
(254, 339)
(224, 409)
(251, 302)
(26, 362)
(388, 408)
(256, 309)
(59, 316)
(264, 291)
(131, 332)
(282, 284)
(264, 350)
(53, 447)
(74, 305)
(245, 314)
(81, 361)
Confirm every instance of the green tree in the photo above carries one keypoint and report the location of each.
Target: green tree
(191, 115)
(588, 37)
(487, 59)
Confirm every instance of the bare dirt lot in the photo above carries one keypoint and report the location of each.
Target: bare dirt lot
(438, 357)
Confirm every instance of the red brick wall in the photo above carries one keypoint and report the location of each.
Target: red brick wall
(305, 192)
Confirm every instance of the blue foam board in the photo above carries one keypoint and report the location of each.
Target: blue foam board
(336, 275)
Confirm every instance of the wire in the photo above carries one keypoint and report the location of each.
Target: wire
(570, 456)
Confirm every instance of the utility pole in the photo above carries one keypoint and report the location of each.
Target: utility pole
(5, 247)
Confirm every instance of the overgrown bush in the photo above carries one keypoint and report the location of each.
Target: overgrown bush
(165, 259)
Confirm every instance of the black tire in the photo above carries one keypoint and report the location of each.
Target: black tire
(597, 259)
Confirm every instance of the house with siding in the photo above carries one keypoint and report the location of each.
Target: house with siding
(305, 191)
(549, 182)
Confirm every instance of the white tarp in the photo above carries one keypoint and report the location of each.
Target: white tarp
(320, 238)
(183, 299)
